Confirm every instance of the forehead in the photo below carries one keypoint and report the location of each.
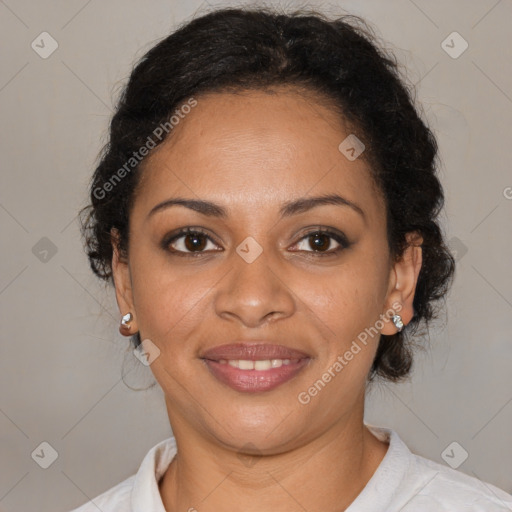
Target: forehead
(252, 149)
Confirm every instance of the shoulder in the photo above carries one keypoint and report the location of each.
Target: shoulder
(116, 499)
(411, 483)
(441, 488)
(139, 491)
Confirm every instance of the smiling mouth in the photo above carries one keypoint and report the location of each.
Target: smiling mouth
(253, 367)
(254, 376)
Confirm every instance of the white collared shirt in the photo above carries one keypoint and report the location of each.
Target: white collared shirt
(403, 482)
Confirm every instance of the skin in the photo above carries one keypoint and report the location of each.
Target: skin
(251, 153)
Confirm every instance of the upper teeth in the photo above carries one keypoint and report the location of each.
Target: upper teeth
(266, 364)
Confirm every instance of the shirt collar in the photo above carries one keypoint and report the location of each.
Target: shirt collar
(145, 492)
(380, 491)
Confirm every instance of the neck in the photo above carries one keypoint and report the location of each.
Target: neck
(327, 473)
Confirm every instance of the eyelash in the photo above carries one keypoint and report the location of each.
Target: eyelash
(338, 237)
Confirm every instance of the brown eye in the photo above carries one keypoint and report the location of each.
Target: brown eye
(195, 242)
(189, 241)
(320, 243)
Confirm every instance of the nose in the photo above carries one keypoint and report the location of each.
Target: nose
(254, 292)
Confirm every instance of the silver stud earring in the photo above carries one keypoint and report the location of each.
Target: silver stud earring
(125, 321)
(397, 320)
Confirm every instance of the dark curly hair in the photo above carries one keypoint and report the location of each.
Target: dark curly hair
(339, 62)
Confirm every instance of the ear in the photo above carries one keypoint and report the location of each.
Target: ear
(123, 285)
(402, 284)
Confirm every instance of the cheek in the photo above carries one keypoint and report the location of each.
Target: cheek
(169, 300)
(349, 296)
(344, 308)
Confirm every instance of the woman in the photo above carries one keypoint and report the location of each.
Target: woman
(267, 210)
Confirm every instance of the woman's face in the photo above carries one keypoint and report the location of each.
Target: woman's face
(255, 276)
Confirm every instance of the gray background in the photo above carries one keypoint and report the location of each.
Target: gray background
(62, 358)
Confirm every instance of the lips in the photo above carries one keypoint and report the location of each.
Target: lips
(252, 352)
(235, 365)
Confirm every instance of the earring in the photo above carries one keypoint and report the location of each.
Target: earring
(397, 320)
(125, 321)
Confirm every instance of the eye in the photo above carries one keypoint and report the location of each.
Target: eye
(194, 242)
(189, 241)
(321, 241)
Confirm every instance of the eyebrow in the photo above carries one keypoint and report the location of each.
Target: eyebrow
(290, 208)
